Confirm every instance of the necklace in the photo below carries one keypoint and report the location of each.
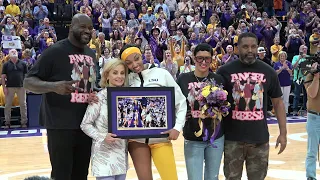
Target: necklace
(204, 79)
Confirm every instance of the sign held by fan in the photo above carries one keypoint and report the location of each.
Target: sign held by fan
(11, 42)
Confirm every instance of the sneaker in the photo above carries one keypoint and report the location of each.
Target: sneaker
(7, 126)
(295, 113)
(24, 126)
(270, 114)
(310, 178)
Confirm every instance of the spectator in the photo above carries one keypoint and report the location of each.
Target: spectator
(2, 9)
(169, 64)
(173, 6)
(314, 40)
(149, 59)
(27, 40)
(284, 71)
(28, 59)
(13, 9)
(177, 52)
(40, 11)
(13, 73)
(149, 19)
(230, 56)
(131, 10)
(46, 26)
(187, 67)
(293, 44)
(298, 79)
(10, 29)
(275, 49)
(164, 7)
(262, 56)
(105, 20)
(105, 57)
(44, 40)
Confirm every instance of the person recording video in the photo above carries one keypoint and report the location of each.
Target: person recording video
(313, 120)
(298, 79)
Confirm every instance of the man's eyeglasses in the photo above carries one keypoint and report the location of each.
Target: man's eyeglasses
(200, 59)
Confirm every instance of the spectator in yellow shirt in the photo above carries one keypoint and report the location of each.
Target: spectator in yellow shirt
(214, 20)
(13, 9)
(314, 40)
(235, 42)
(275, 49)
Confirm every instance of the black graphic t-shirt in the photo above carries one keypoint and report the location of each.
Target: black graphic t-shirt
(190, 87)
(65, 62)
(248, 87)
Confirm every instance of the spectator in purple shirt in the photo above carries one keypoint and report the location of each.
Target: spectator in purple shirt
(43, 38)
(193, 41)
(299, 22)
(211, 38)
(27, 55)
(149, 58)
(153, 39)
(269, 32)
(284, 70)
(229, 56)
(132, 9)
(96, 12)
(256, 28)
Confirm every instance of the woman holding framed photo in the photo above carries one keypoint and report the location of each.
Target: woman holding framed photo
(159, 149)
(109, 156)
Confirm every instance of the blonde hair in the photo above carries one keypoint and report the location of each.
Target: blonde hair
(27, 53)
(164, 55)
(281, 53)
(109, 66)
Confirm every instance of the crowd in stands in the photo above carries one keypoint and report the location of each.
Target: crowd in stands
(167, 31)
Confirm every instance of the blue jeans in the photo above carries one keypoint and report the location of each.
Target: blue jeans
(297, 91)
(313, 130)
(196, 152)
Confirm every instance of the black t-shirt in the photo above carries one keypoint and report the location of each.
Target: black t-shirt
(65, 62)
(190, 86)
(15, 73)
(248, 87)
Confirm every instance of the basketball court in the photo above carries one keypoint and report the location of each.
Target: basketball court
(23, 153)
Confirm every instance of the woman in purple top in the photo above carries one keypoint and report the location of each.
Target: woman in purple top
(131, 9)
(28, 59)
(284, 70)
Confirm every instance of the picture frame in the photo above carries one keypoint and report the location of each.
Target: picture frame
(135, 112)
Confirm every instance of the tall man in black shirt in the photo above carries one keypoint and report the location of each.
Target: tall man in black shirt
(249, 82)
(61, 75)
(13, 73)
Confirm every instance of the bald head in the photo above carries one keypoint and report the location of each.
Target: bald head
(81, 29)
(79, 18)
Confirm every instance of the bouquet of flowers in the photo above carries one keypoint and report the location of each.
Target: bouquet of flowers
(212, 99)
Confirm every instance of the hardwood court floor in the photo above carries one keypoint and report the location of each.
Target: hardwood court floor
(27, 156)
